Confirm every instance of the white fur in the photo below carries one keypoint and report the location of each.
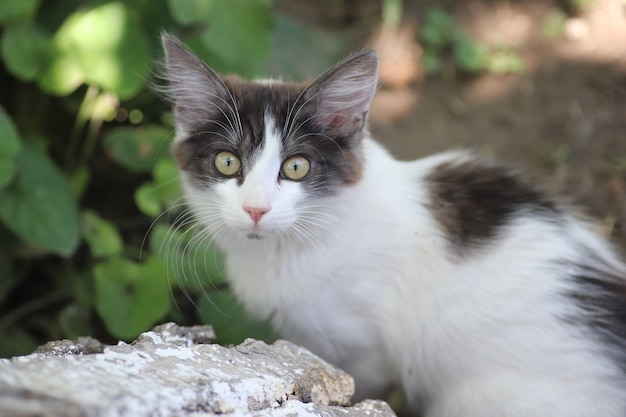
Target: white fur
(376, 291)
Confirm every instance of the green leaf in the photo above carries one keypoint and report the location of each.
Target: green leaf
(191, 262)
(138, 149)
(553, 25)
(431, 61)
(75, 321)
(188, 12)
(505, 61)
(101, 235)
(237, 33)
(291, 37)
(105, 46)
(10, 146)
(63, 75)
(439, 29)
(471, 56)
(153, 198)
(11, 10)
(231, 322)
(39, 206)
(25, 50)
(131, 297)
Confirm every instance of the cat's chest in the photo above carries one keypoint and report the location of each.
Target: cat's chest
(313, 295)
(273, 279)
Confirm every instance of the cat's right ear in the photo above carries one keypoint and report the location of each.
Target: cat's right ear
(342, 95)
(194, 88)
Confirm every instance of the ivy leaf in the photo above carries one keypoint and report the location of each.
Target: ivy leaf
(131, 297)
(39, 206)
(63, 74)
(439, 28)
(471, 56)
(162, 194)
(25, 50)
(10, 146)
(189, 12)
(137, 149)
(12, 10)
(101, 235)
(237, 33)
(192, 263)
(105, 46)
(231, 322)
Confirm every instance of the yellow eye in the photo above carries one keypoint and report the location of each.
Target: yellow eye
(227, 163)
(296, 168)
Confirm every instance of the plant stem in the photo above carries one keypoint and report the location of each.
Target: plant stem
(82, 117)
(95, 122)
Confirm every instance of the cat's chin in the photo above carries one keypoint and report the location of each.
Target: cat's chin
(254, 234)
(264, 231)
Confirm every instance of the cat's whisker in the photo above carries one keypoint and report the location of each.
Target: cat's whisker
(228, 139)
(171, 257)
(196, 246)
(290, 119)
(312, 226)
(302, 106)
(154, 222)
(303, 136)
(235, 111)
(235, 130)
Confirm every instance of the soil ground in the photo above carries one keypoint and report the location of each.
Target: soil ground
(563, 118)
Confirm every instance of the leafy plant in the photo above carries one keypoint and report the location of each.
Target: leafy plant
(447, 47)
(85, 170)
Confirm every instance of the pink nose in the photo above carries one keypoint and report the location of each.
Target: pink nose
(256, 213)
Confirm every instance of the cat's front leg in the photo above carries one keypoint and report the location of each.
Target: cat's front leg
(372, 373)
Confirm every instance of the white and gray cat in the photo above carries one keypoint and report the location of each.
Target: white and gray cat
(448, 276)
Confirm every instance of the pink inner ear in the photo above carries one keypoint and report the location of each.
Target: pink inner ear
(340, 124)
(343, 95)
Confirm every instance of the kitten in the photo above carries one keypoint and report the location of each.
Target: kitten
(448, 276)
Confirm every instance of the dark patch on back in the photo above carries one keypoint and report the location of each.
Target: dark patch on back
(600, 293)
(335, 160)
(472, 200)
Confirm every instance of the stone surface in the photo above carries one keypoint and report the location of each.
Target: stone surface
(174, 371)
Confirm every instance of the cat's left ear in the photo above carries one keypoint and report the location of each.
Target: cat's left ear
(342, 95)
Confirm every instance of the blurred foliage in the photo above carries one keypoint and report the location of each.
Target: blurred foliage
(81, 138)
(553, 24)
(447, 48)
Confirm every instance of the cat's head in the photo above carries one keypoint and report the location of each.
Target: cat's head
(258, 158)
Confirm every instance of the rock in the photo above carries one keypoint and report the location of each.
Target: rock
(174, 371)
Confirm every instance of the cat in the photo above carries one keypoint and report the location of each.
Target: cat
(451, 276)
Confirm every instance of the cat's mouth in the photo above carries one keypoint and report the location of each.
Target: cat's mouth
(255, 236)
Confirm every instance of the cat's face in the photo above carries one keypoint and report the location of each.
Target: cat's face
(260, 159)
